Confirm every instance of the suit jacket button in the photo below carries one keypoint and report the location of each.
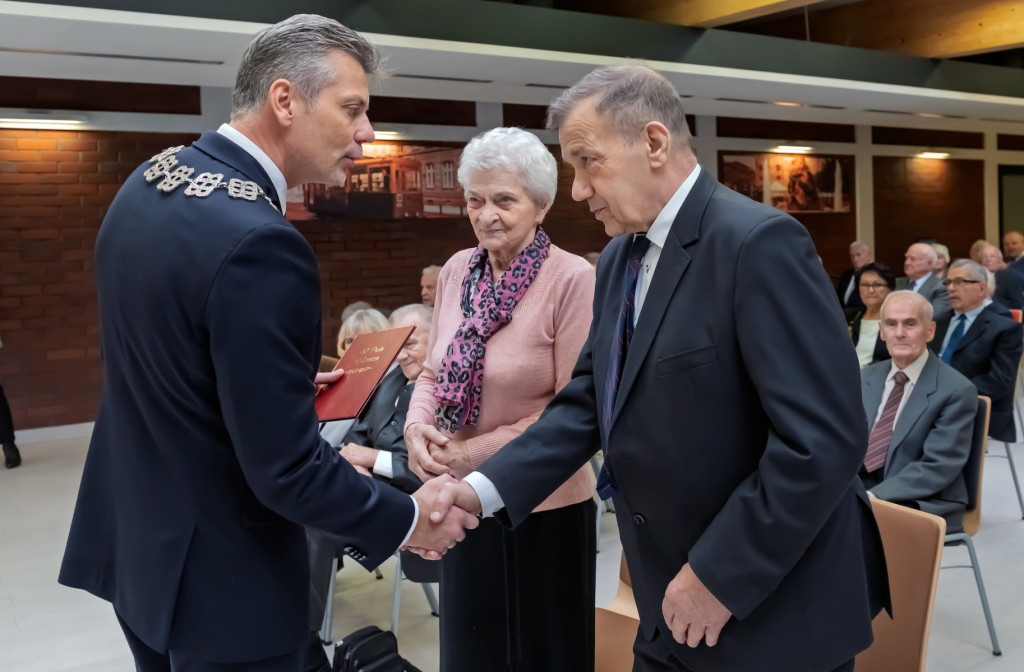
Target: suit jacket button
(639, 520)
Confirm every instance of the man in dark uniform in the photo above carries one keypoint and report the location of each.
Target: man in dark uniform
(205, 462)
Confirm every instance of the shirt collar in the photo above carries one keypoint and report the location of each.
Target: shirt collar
(972, 314)
(913, 369)
(658, 232)
(276, 176)
(920, 281)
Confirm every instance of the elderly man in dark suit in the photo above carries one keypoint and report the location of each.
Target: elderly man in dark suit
(980, 343)
(732, 429)
(1009, 287)
(921, 413)
(919, 265)
(846, 288)
(375, 444)
(205, 462)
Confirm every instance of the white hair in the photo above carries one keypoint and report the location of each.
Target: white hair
(924, 306)
(517, 151)
(424, 314)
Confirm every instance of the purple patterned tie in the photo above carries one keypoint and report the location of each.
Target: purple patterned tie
(881, 433)
(617, 356)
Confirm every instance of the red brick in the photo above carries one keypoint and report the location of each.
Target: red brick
(79, 190)
(58, 178)
(28, 190)
(76, 167)
(77, 145)
(37, 167)
(36, 143)
(19, 155)
(60, 156)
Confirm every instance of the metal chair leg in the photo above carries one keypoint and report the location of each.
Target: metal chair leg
(328, 622)
(1016, 483)
(435, 608)
(396, 601)
(984, 597)
(377, 573)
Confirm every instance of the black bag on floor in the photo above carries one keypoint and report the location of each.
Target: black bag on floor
(370, 649)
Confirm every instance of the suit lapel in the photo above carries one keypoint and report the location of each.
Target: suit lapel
(672, 265)
(941, 327)
(871, 390)
(977, 327)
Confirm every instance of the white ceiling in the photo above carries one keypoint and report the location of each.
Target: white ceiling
(75, 43)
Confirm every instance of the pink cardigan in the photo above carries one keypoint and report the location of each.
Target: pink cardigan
(527, 361)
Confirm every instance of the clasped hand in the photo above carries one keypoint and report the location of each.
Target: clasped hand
(447, 508)
(431, 453)
(444, 516)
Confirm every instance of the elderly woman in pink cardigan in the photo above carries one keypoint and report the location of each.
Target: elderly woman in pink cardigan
(510, 318)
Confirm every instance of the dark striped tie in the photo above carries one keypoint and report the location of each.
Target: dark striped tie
(617, 355)
(881, 433)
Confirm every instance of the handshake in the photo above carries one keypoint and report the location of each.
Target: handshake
(448, 506)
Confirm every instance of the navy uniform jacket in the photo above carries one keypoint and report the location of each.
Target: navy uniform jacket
(735, 442)
(205, 461)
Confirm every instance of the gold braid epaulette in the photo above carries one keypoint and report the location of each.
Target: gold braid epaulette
(165, 165)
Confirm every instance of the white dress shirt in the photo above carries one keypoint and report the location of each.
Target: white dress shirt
(275, 174)
(490, 500)
(913, 372)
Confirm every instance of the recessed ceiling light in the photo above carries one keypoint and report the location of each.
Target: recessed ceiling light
(785, 104)
(933, 155)
(792, 149)
(42, 121)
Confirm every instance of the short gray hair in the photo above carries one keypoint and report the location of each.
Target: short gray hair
(974, 269)
(924, 306)
(628, 97)
(424, 314)
(296, 49)
(433, 269)
(515, 150)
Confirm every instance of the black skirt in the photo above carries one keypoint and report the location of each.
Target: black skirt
(522, 600)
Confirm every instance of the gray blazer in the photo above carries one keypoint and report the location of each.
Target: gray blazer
(932, 290)
(931, 442)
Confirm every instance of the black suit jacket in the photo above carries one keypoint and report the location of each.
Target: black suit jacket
(1009, 289)
(988, 355)
(205, 462)
(381, 426)
(881, 353)
(845, 278)
(931, 440)
(735, 442)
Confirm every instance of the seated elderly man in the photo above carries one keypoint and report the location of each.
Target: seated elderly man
(375, 442)
(980, 343)
(919, 265)
(922, 414)
(428, 284)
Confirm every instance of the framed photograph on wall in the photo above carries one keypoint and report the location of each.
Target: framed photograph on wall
(794, 183)
(392, 181)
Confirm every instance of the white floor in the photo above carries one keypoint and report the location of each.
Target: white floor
(45, 627)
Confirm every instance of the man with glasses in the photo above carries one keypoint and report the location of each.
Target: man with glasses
(918, 264)
(980, 343)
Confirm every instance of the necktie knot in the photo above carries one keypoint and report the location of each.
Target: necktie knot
(638, 249)
(900, 378)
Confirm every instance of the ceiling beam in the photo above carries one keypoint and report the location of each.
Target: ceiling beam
(699, 13)
(929, 28)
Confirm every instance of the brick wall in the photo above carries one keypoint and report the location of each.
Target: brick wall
(926, 198)
(54, 190)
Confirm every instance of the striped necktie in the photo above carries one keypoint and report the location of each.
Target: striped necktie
(955, 338)
(881, 433)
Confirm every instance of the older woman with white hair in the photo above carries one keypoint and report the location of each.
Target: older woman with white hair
(510, 318)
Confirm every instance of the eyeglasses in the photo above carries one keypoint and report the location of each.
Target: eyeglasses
(959, 282)
(872, 286)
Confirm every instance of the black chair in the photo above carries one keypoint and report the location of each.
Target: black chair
(972, 516)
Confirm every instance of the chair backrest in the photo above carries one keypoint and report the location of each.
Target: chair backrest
(913, 543)
(975, 465)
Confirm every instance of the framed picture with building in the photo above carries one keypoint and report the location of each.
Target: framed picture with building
(794, 183)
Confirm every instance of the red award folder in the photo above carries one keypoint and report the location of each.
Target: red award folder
(365, 363)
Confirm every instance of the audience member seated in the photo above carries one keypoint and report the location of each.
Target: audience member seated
(428, 284)
(979, 342)
(922, 414)
(942, 263)
(919, 265)
(874, 282)
(974, 254)
(361, 321)
(1013, 246)
(376, 442)
(1008, 288)
(846, 288)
